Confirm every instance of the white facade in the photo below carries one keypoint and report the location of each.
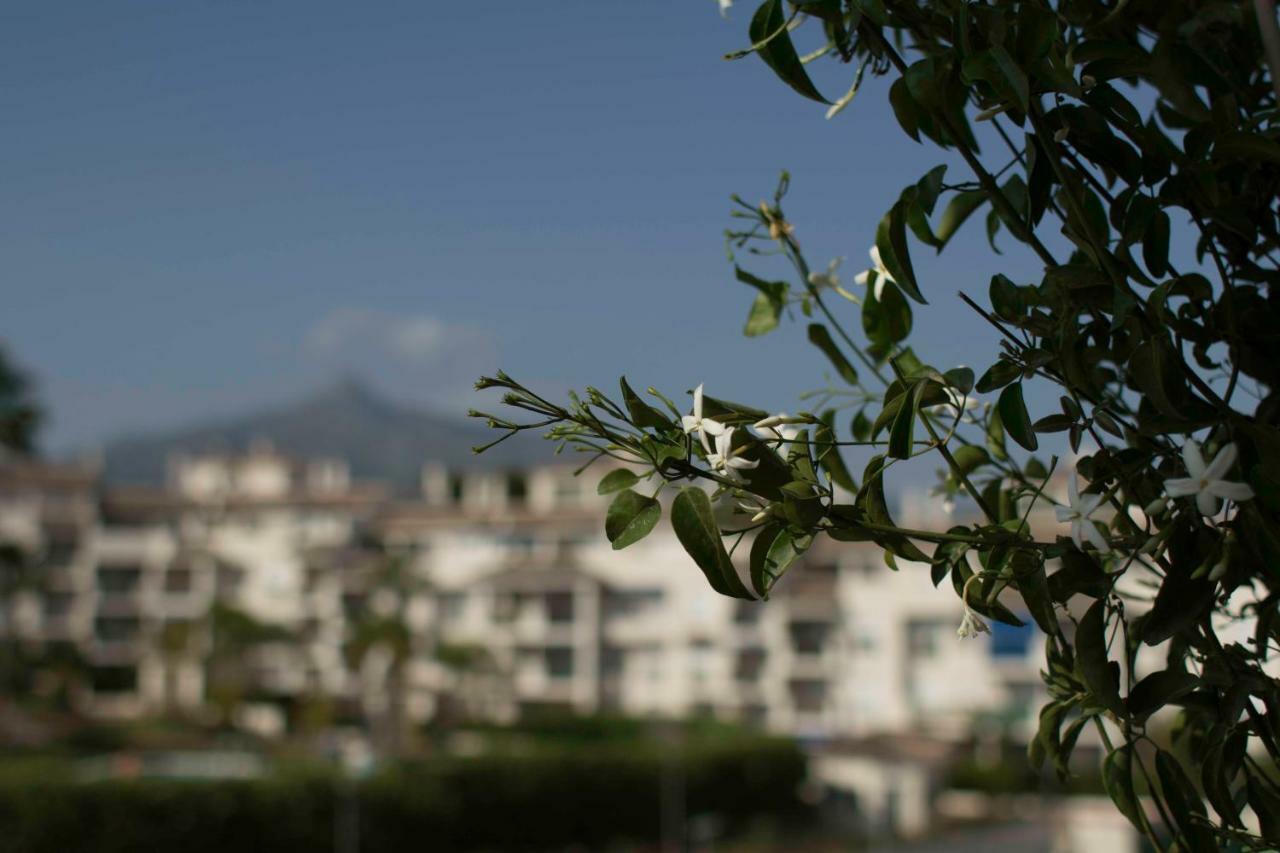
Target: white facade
(512, 566)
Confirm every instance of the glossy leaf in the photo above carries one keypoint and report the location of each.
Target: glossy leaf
(616, 481)
(631, 517)
(695, 526)
(821, 338)
(1013, 414)
(768, 32)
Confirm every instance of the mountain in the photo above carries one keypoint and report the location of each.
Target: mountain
(379, 439)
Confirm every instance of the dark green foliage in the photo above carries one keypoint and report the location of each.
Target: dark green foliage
(590, 794)
(1135, 153)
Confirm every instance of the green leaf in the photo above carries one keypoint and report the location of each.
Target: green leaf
(1248, 147)
(768, 31)
(960, 378)
(1028, 571)
(1006, 299)
(1014, 76)
(773, 552)
(961, 206)
(902, 433)
(616, 481)
(1117, 778)
(642, 414)
(1158, 690)
(891, 241)
(1100, 674)
(763, 317)
(969, 457)
(1054, 423)
(928, 188)
(821, 338)
(1155, 244)
(998, 375)
(905, 109)
(630, 518)
(1184, 802)
(886, 320)
(1013, 414)
(695, 526)
(1182, 599)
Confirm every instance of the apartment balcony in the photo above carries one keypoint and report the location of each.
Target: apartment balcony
(119, 604)
(810, 664)
(58, 579)
(116, 652)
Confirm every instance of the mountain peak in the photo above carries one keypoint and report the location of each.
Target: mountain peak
(379, 438)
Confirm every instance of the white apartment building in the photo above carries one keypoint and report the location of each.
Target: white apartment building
(510, 566)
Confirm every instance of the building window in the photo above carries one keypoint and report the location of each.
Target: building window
(228, 579)
(506, 607)
(808, 638)
(177, 580)
(60, 544)
(57, 605)
(568, 492)
(455, 488)
(613, 660)
(755, 715)
(629, 602)
(747, 612)
(808, 694)
(559, 662)
(560, 607)
(924, 637)
(114, 679)
(517, 488)
(121, 579)
(111, 629)
(749, 664)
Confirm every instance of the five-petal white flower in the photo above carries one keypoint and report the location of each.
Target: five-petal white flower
(1206, 481)
(723, 459)
(1077, 513)
(697, 423)
(879, 271)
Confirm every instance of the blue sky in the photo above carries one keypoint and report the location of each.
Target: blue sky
(210, 206)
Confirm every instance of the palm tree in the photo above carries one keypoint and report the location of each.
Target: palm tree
(233, 636)
(382, 644)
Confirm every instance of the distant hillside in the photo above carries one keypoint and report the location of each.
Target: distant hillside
(380, 439)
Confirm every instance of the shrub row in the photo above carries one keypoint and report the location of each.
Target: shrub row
(585, 797)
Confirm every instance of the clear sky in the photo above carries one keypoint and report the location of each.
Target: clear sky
(209, 206)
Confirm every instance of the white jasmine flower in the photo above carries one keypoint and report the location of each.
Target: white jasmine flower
(725, 5)
(879, 271)
(758, 507)
(1206, 481)
(829, 280)
(948, 505)
(971, 625)
(780, 429)
(724, 459)
(1077, 513)
(697, 423)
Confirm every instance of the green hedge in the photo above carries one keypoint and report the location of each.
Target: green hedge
(546, 800)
